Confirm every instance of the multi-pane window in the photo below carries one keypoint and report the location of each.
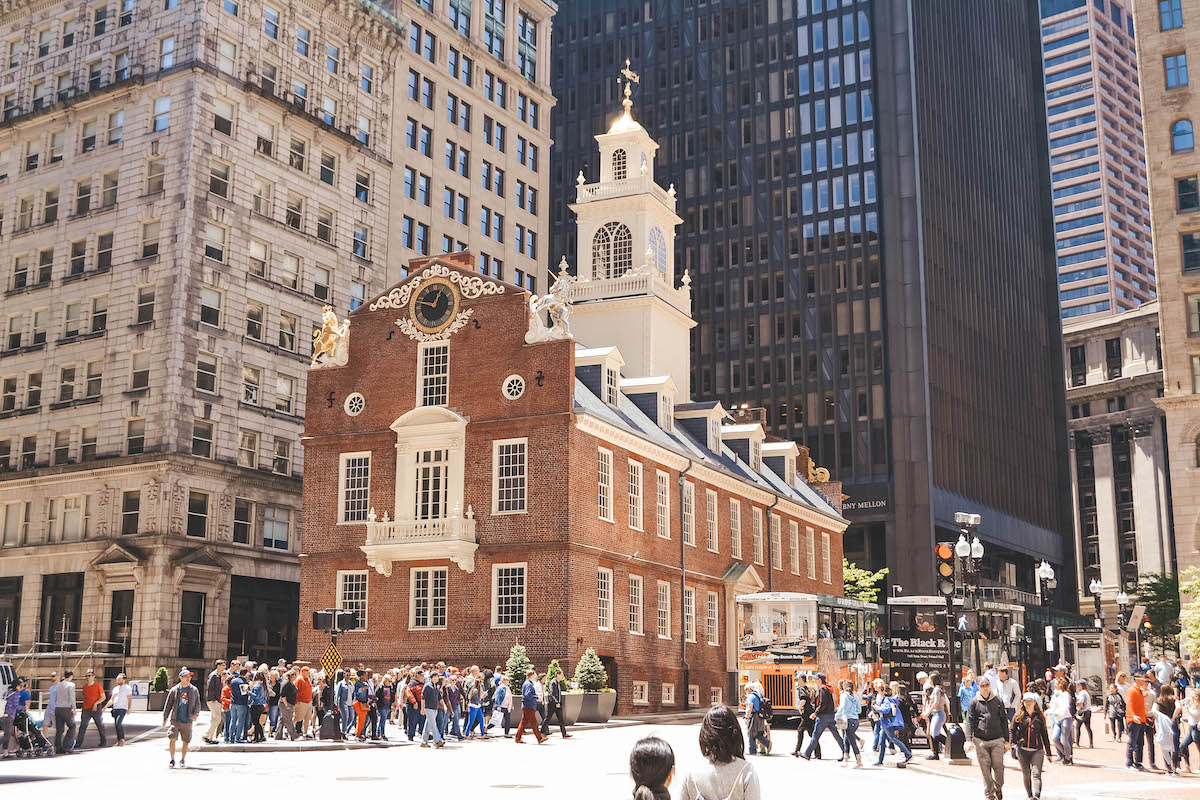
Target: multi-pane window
(131, 506)
(527, 45)
(285, 390)
(435, 374)
(206, 372)
(203, 434)
(352, 594)
(210, 307)
(1176, 70)
(303, 40)
(635, 604)
(155, 175)
(277, 523)
(776, 543)
(756, 521)
(493, 27)
(604, 599)
(197, 515)
(689, 613)
(271, 22)
(826, 569)
(510, 471)
(355, 487)
(736, 529)
(508, 595)
(247, 450)
(688, 513)
(1170, 14)
(664, 610)
(366, 80)
(662, 487)
(140, 370)
(281, 458)
(1187, 193)
(810, 551)
(255, 312)
(794, 545)
(605, 484)
(333, 58)
(433, 476)
(428, 589)
(635, 495)
(289, 325)
(710, 507)
(243, 520)
(135, 436)
(711, 618)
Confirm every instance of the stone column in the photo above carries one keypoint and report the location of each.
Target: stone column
(1149, 496)
(1106, 506)
(1076, 517)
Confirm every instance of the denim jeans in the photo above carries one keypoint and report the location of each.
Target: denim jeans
(432, 729)
(227, 716)
(890, 736)
(824, 723)
(850, 738)
(235, 730)
(754, 740)
(414, 721)
(1133, 750)
(1064, 738)
(91, 715)
(455, 724)
(273, 716)
(348, 719)
(118, 715)
(475, 717)
(384, 713)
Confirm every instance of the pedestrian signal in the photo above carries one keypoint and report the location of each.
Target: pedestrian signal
(945, 569)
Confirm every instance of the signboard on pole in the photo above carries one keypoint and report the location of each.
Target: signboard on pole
(1135, 619)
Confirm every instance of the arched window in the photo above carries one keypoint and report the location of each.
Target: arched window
(612, 251)
(658, 250)
(620, 165)
(1182, 136)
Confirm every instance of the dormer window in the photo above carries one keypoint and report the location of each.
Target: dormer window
(610, 386)
(714, 435)
(755, 454)
(620, 165)
(666, 413)
(790, 471)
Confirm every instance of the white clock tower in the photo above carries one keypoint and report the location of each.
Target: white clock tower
(625, 293)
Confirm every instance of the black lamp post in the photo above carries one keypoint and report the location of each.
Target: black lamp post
(970, 552)
(1096, 588)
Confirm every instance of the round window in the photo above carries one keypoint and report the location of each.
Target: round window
(513, 387)
(355, 404)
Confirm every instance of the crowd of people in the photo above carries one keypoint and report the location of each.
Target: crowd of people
(251, 703)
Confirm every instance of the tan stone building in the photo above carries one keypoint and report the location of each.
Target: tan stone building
(183, 186)
(1121, 489)
(1167, 32)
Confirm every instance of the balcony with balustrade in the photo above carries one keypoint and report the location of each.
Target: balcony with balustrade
(390, 540)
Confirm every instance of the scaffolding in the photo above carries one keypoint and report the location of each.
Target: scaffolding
(65, 652)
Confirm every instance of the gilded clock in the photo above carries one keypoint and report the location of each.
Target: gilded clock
(434, 306)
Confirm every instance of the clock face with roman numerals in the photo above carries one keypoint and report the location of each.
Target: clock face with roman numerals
(434, 306)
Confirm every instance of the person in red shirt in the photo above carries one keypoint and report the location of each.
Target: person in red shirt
(93, 708)
(304, 704)
(1135, 718)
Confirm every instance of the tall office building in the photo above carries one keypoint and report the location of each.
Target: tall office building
(1167, 31)
(1097, 157)
(186, 185)
(866, 204)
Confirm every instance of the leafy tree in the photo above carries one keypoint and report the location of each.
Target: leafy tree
(518, 662)
(862, 584)
(1189, 634)
(162, 682)
(1160, 595)
(590, 673)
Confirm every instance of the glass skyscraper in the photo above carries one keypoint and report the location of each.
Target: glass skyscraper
(865, 194)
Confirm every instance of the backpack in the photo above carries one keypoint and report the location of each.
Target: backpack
(764, 708)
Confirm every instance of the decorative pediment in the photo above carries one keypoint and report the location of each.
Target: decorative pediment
(471, 286)
(743, 579)
(120, 555)
(203, 557)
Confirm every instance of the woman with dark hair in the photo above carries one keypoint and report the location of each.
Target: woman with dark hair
(1031, 741)
(651, 765)
(728, 776)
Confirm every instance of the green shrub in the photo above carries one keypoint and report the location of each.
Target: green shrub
(161, 681)
(590, 673)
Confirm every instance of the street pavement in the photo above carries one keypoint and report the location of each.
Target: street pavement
(592, 764)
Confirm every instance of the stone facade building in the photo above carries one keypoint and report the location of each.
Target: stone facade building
(498, 481)
(1167, 32)
(1122, 490)
(185, 185)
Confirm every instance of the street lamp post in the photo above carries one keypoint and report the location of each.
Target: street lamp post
(971, 555)
(1047, 583)
(1122, 634)
(1096, 588)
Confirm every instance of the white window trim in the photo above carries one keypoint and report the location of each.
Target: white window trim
(810, 552)
(715, 695)
(826, 567)
(412, 598)
(758, 542)
(775, 540)
(601, 453)
(693, 694)
(366, 600)
(713, 600)
(496, 444)
(794, 544)
(735, 528)
(657, 605)
(636, 522)
(641, 606)
(611, 604)
(712, 520)
(495, 604)
(342, 459)
(420, 399)
(662, 516)
(645, 688)
(689, 592)
(668, 691)
(687, 500)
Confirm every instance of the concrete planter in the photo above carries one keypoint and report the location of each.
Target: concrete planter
(156, 701)
(572, 704)
(597, 706)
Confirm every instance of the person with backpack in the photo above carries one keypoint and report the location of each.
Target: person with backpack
(823, 717)
(891, 720)
(758, 710)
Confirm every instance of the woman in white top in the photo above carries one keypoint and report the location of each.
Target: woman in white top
(1083, 714)
(1059, 714)
(727, 775)
(1189, 725)
(122, 696)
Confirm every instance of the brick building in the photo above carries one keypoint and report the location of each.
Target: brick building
(477, 479)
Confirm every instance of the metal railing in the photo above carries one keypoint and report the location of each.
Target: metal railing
(1004, 594)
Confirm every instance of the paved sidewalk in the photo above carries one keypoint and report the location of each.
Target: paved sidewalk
(1097, 772)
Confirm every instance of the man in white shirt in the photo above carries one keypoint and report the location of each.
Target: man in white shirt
(992, 677)
(1009, 691)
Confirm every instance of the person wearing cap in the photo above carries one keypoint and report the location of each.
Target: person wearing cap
(1135, 719)
(181, 709)
(987, 730)
(1031, 742)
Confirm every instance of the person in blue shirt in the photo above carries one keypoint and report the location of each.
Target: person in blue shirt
(431, 704)
(756, 723)
(239, 708)
(967, 691)
(341, 695)
(529, 703)
(846, 718)
(891, 722)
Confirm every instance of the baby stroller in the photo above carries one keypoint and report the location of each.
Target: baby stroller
(30, 741)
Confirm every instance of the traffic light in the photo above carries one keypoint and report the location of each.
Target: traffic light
(1146, 624)
(944, 553)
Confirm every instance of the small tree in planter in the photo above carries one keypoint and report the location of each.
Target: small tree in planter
(554, 673)
(518, 662)
(599, 701)
(158, 690)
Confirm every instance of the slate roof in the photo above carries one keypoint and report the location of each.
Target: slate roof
(630, 418)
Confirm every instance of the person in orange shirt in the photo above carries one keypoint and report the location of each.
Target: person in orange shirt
(304, 704)
(93, 708)
(1135, 718)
